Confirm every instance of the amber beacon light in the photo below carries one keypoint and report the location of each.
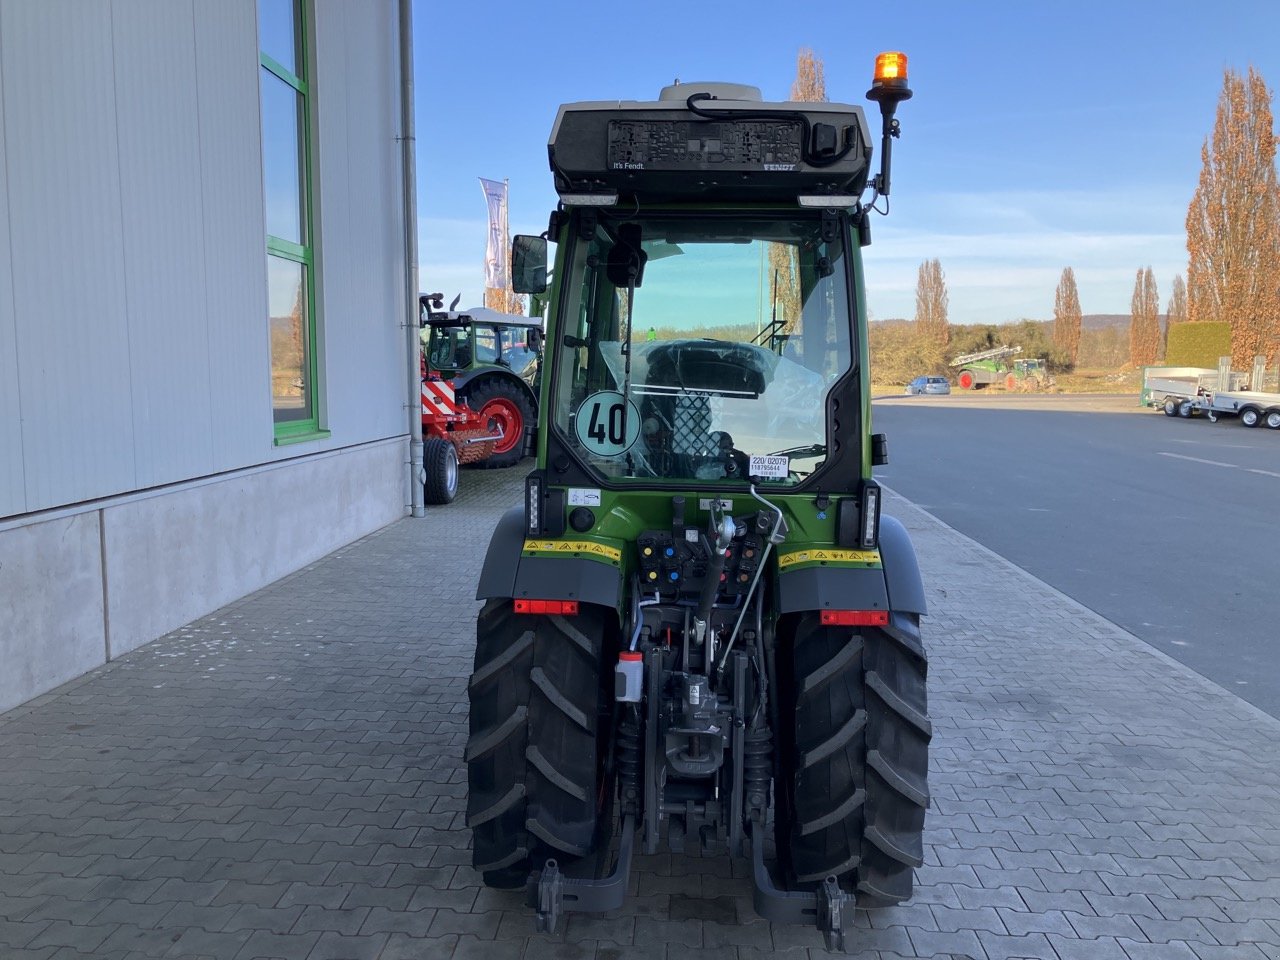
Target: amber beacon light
(891, 69)
(888, 89)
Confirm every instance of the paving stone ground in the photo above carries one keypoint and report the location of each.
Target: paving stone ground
(284, 778)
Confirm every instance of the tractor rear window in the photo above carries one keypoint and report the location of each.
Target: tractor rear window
(719, 366)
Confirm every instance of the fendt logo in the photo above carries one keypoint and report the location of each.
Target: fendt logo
(779, 166)
(627, 165)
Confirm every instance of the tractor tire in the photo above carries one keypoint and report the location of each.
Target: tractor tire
(1250, 416)
(440, 465)
(504, 402)
(856, 790)
(536, 740)
(1170, 407)
(1272, 419)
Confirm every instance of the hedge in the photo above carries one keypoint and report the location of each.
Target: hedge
(1197, 344)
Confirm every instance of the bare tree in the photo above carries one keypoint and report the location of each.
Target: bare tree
(1177, 308)
(1233, 222)
(1066, 315)
(1175, 312)
(811, 82)
(784, 267)
(504, 300)
(1144, 328)
(931, 303)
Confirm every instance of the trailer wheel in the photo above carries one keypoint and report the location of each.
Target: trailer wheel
(440, 464)
(534, 751)
(1170, 407)
(854, 766)
(965, 380)
(1185, 409)
(1250, 416)
(503, 402)
(1273, 419)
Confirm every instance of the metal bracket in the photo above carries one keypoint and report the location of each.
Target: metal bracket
(552, 893)
(824, 908)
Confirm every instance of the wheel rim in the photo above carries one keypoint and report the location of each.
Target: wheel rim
(966, 380)
(1273, 420)
(451, 471)
(506, 415)
(1249, 418)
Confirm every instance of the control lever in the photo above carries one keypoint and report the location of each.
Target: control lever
(724, 529)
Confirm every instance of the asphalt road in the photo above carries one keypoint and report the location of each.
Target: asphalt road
(1168, 527)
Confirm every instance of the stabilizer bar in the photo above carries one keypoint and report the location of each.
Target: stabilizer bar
(551, 893)
(825, 907)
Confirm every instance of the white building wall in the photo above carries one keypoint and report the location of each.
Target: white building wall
(134, 346)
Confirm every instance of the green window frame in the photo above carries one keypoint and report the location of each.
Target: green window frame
(296, 416)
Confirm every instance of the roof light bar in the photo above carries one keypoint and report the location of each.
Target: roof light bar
(827, 200)
(589, 199)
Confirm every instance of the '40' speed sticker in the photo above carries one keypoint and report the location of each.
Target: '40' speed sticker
(607, 425)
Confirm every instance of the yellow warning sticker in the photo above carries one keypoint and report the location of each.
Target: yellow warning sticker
(588, 547)
(828, 555)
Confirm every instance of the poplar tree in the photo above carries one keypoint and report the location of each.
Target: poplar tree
(1067, 317)
(783, 281)
(1233, 222)
(931, 303)
(1175, 312)
(1144, 327)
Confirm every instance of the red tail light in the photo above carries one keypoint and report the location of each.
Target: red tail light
(855, 618)
(562, 607)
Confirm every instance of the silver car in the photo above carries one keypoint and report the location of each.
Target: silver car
(935, 385)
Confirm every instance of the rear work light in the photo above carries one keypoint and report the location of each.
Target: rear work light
(853, 618)
(567, 608)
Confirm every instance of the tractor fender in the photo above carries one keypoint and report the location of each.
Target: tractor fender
(901, 569)
(508, 574)
(896, 587)
(467, 379)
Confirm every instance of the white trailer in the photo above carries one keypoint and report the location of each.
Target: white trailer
(1189, 391)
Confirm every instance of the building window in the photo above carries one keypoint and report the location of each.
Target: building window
(286, 165)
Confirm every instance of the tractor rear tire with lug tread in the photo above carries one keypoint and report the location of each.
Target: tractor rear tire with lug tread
(535, 730)
(509, 405)
(440, 467)
(858, 785)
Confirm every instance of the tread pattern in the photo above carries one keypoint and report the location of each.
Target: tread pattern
(856, 791)
(532, 754)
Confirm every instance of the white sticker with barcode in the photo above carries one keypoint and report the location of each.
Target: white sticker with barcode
(777, 468)
(581, 497)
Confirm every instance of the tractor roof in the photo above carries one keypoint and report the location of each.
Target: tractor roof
(482, 315)
(709, 141)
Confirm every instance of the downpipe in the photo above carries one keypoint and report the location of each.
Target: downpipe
(409, 192)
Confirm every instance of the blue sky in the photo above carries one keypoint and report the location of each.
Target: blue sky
(1041, 135)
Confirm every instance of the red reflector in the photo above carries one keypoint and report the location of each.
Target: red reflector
(855, 618)
(562, 607)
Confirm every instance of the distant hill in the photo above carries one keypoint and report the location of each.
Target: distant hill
(1100, 321)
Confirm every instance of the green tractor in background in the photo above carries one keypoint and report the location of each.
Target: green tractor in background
(493, 361)
(698, 628)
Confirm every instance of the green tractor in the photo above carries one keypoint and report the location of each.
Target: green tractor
(699, 629)
(493, 361)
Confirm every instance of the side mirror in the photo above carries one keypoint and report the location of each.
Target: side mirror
(529, 264)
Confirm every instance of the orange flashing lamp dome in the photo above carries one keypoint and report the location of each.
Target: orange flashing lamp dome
(891, 69)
